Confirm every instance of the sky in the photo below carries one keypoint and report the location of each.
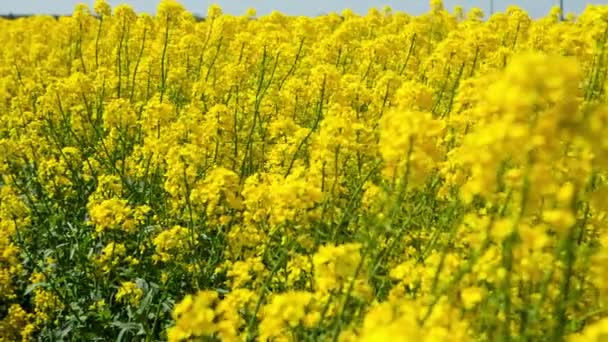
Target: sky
(536, 8)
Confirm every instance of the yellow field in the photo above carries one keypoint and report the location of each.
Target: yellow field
(383, 177)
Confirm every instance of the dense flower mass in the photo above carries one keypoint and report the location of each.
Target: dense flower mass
(345, 177)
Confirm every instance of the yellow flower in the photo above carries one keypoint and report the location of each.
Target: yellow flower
(242, 272)
(109, 214)
(285, 311)
(471, 296)
(194, 316)
(595, 332)
(172, 245)
(129, 293)
(214, 11)
(560, 219)
(251, 12)
(336, 267)
(17, 324)
(111, 256)
(169, 9)
(98, 305)
(102, 8)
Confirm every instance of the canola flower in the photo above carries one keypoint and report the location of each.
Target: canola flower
(344, 177)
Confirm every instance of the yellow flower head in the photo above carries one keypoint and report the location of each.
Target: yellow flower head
(129, 293)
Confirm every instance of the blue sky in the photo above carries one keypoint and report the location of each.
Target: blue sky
(308, 7)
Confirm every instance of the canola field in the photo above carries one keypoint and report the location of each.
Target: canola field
(377, 177)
